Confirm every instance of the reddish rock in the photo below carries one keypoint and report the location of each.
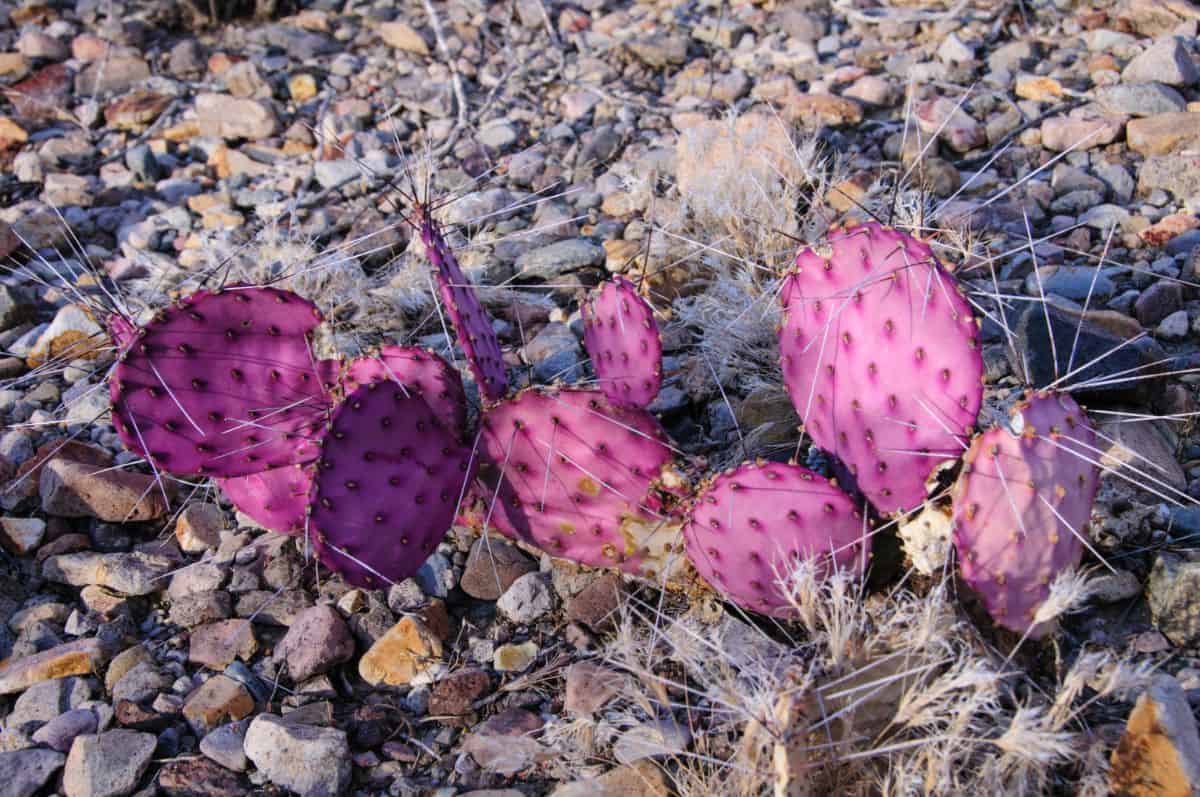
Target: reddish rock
(317, 641)
(137, 110)
(596, 604)
(456, 693)
(42, 95)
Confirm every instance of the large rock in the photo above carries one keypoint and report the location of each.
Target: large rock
(1163, 133)
(492, 566)
(109, 764)
(24, 772)
(1173, 592)
(304, 758)
(315, 643)
(1167, 61)
(75, 489)
(561, 257)
(407, 651)
(1177, 174)
(134, 573)
(1159, 754)
(81, 657)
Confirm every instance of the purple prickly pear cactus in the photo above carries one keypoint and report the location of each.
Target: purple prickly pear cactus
(416, 369)
(581, 478)
(749, 525)
(386, 485)
(472, 324)
(276, 499)
(223, 384)
(881, 358)
(621, 337)
(122, 331)
(1022, 504)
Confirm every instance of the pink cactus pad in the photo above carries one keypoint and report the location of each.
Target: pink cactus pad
(881, 358)
(472, 324)
(621, 337)
(122, 331)
(386, 486)
(416, 369)
(276, 499)
(579, 477)
(1022, 504)
(748, 526)
(223, 384)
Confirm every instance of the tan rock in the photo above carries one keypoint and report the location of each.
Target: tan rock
(815, 110)
(1066, 132)
(13, 65)
(1159, 755)
(1039, 88)
(80, 657)
(11, 133)
(219, 699)
(216, 645)
(199, 527)
(302, 87)
(123, 662)
(1163, 133)
(514, 658)
(72, 335)
(407, 650)
(402, 36)
(21, 536)
(75, 489)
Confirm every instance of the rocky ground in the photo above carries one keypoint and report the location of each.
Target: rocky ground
(154, 640)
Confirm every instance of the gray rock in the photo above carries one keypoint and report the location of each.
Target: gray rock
(317, 641)
(60, 732)
(109, 764)
(336, 172)
(661, 737)
(1166, 61)
(224, 745)
(1118, 179)
(529, 597)
(1105, 217)
(555, 354)
(436, 576)
(1174, 326)
(1157, 302)
(561, 257)
(1071, 282)
(1178, 174)
(24, 772)
(229, 117)
(44, 701)
(127, 573)
(140, 684)
(1173, 593)
(1139, 99)
(13, 309)
(304, 758)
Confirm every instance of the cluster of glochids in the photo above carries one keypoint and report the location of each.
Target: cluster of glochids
(372, 459)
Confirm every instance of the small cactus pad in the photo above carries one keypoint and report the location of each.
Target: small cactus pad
(580, 478)
(621, 337)
(749, 525)
(472, 324)
(419, 370)
(386, 485)
(121, 331)
(881, 358)
(1022, 504)
(276, 499)
(223, 384)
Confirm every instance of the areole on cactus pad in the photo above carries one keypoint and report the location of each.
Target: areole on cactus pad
(581, 478)
(1022, 504)
(881, 358)
(223, 384)
(622, 339)
(750, 526)
(386, 486)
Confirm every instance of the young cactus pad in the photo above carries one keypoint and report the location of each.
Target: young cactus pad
(416, 369)
(223, 384)
(579, 477)
(276, 499)
(386, 485)
(881, 358)
(1022, 504)
(749, 526)
(472, 324)
(622, 339)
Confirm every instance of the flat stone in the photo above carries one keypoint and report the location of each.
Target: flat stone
(402, 36)
(596, 604)
(60, 732)
(1167, 61)
(589, 687)
(315, 643)
(81, 657)
(1159, 754)
(529, 598)
(42, 95)
(1178, 174)
(1061, 133)
(502, 744)
(109, 764)
(113, 75)
(653, 739)
(44, 701)
(492, 566)
(217, 645)
(1163, 133)
(75, 489)
(24, 772)
(1139, 99)
(21, 536)
(127, 573)
(217, 700)
(405, 652)
(561, 257)
(304, 758)
(230, 117)
(198, 777)
(224, 745)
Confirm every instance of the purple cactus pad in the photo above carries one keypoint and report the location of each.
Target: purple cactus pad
(621, 337)
(1022, 505)
(750, 525)
(881, 358)
(386, 486)
(416, 369)
(276, 499)
(223, 384)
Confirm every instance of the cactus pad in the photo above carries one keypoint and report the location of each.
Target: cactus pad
(749, 524)
(416, 369)
(621, 337)
(386, 485)
(223, 384)
(472, 324)
(881, 359)
(1022, 504)
(581, 478)
(276, 499)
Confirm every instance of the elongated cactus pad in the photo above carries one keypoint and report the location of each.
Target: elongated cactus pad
(1022, 504)
(581, 478)
(881, 359)
(415, 369)
(223, 384)
(621, 337)
(472, 324)
(749, 526)
(386, 485)
(276, 499)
